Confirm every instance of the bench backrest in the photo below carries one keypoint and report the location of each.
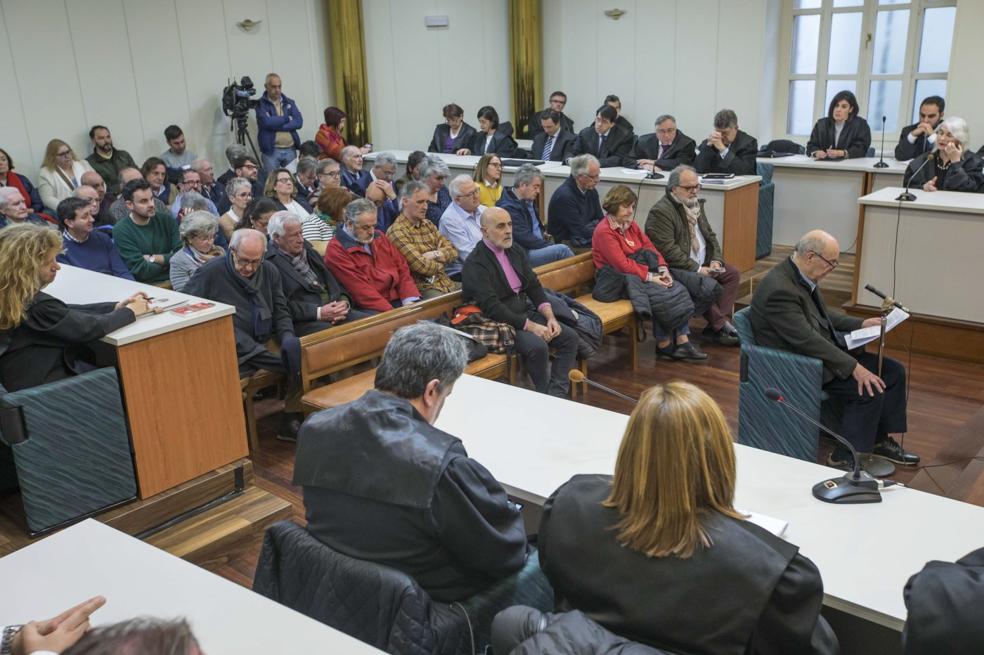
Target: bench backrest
(567, 275)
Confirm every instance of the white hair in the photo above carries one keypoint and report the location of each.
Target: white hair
(279, 222)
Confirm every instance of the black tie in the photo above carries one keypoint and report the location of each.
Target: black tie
(602, 147)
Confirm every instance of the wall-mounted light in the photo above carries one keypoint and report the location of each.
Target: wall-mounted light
(434, 22)
(248, 25)
(614, 14)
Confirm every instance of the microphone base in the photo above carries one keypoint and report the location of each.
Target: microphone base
(881, 164)
(846, 491)
(906, 197)
(655, 176)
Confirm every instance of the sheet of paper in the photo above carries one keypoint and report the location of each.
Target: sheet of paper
(770, 523)
(635, 172)
(861, 336)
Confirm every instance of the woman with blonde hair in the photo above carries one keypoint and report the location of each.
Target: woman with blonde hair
(60, 174)
(658, 553)
(488, 176)
(281, 188)
(40, 336)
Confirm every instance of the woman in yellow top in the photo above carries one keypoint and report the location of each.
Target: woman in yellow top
(488, 176)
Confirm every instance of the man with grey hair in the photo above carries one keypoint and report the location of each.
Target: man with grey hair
(14, 210)
(211, 188)
(461, 221)
(329, 174)
(244, 279)
(314, 297)
(520, 201)
(498, 278)
(727, 150)
(306, 182)
(402, 493)
(575, 207)
(678, 227)
(433, 172)
(788, 312)
(664, 149)
(364, 261)
(426, 250)
(190, 182)
(354, 177)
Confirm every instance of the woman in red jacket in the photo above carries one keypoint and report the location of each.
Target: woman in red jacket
(329, 137)
(617, 242)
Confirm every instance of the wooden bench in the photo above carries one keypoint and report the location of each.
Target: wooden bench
(341, 348)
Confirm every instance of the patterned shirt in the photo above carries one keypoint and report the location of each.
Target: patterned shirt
(413, 240)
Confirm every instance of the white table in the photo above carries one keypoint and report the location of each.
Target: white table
(92, 559)
(865, 553)
(814, 194)
(731, 207)
(180, 381)
(934, 264)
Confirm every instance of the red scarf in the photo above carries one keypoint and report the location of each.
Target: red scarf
(14, 181)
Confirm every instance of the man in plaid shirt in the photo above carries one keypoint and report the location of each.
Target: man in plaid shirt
(425, 249)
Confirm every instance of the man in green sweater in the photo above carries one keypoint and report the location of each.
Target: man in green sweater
(145, 237)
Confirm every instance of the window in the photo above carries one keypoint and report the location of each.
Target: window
(890, 53)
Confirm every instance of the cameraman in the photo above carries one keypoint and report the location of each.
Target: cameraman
(277, 120)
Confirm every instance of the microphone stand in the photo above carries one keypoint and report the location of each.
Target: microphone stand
(909, 197)
(881, 159)
(855, 487)
(577, 377)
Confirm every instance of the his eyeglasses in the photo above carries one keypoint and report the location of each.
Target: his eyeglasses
(831, 264)
(245, 263)
(330, 174)
(690, 188)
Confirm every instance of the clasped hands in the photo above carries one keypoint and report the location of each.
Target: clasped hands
(333, 311)
(545, 332)
(829, 153)
(661, 277)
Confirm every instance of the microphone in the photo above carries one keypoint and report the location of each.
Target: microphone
(576, 377)
(855, 487)
(906, 196)
(881, 295)
(881, 159)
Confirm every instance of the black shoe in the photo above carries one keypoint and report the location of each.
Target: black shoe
(890, 449)
(289, 425)
(840, 458)
(665, 353)
(723, 337)
(689, 352)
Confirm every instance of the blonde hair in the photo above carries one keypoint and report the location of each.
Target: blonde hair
(676, 464)
(24, 249)
(483, 165)
(49, 153)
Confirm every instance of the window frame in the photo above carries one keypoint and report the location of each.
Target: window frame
(863, 77)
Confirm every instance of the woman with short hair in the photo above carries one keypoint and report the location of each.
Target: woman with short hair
(258, 214)
(492, 136)
(197, 231)
(13, 179)
(954, 166)
(659, 554)
(41, 337)
(841, 133)
(454, 133)
(60, 174)
(318, 228)
(240, 193)
(329, 137)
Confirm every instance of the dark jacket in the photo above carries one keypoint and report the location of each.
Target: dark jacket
(217, 194)
(667, 227)
(109, 169)
(268, 123)
(774, 595)
(943, 602)
(855, 137)
(740, 159)
(965, 176)
(305, 298)
(535, 128)
(785, 316)
(522, 221)
(45, 346)
(401, 493)
(484, 283)
(573, 215)
(35, 203)
(261, 308)
(905, 150)
(681, 151)
(442, 141)
(502, 142)
(521, 630)
(562, 147)
(355, 181)
(618, 145)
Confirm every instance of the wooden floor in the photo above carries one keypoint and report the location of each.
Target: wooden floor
(943, 395)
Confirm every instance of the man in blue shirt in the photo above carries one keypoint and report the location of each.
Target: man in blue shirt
(85, 247)
(461, 222)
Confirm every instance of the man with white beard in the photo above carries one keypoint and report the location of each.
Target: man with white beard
(678, 227)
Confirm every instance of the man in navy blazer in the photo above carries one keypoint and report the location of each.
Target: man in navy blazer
(575, 208)
(553, 143)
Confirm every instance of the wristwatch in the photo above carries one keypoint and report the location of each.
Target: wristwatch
(7, 640)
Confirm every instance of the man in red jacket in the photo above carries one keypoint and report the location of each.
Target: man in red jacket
(364, 261)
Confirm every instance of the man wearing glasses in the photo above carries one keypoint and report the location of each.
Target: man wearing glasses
(788, 313)
(575, 208)
(678, 227)
(558, 100)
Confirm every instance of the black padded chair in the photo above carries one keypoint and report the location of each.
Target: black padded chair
(66, 445)
(379, 605)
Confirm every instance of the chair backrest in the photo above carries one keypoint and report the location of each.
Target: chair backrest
(373, 603)
(743, 324)
(68, 469)
(567, 275)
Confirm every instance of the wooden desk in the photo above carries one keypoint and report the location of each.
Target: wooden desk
(814, 194)
(865, 553)
(732, 206)
(179, 377)
(90, 559)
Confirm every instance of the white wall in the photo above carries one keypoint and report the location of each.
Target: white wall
(140, 65)
(688, 58)
(414, 71)
(965, 93)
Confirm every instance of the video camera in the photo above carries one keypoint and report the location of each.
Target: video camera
(236, 98)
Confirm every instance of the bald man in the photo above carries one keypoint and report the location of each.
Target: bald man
(788, 313)
(498, 278)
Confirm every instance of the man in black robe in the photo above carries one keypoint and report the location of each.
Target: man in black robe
(382, 484)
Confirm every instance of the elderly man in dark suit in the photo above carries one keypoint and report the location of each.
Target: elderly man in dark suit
(664, 149)
(609, 142)
(553, 143)
(498, 278)
(727, 149)
(788, 313)
(575, 208)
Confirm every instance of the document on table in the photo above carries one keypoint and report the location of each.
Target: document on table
(862, 336)
(641, 173)
(770, 523)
